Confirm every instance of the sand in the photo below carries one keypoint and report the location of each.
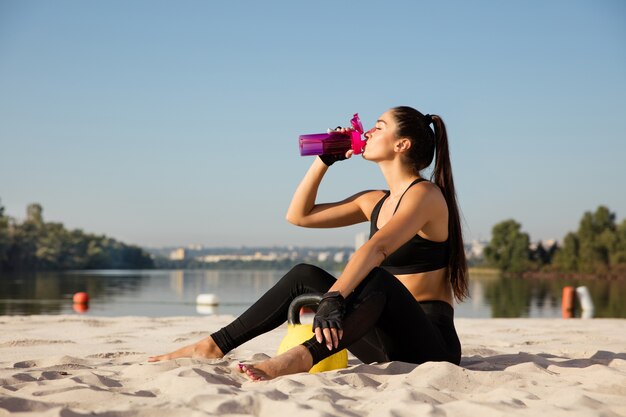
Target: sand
(74, 366)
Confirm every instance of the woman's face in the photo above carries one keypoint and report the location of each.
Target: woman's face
(381, 138)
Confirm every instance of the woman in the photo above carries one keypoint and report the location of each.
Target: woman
(393, 301)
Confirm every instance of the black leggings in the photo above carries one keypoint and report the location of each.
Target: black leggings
(383, 322)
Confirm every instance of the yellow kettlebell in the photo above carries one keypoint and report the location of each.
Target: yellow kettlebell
(298, 333)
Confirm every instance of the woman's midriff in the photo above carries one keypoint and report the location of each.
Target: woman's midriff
(431, 285)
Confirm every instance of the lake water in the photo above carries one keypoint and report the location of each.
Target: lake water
(158, 293)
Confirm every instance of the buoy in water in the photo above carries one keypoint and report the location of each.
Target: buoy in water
(80, 307)
(206, 310)
(586, 303)
(567, 303)
(298, 333)
(207, 300)
(81, 298)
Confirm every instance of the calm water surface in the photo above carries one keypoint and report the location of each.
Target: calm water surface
(158, 293)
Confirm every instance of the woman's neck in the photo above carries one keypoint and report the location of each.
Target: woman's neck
(398, 177)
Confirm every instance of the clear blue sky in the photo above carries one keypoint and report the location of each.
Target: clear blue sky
(172, 123)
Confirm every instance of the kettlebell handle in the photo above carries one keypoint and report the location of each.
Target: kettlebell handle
(305, 300)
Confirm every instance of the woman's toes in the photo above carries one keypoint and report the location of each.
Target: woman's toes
(252, 373)
(254, 376)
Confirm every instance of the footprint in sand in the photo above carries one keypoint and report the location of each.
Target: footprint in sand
(32, 342)
(51, 375)
(55, 391)
(15, 381)
(25, 364)
(113, 355)
(99, 381)
(17, 405)
(62, 363)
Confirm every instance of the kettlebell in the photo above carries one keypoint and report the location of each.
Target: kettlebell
(298, 333)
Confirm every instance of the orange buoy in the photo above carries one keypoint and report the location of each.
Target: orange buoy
(81, 298)
(81, 308)
(567, 304)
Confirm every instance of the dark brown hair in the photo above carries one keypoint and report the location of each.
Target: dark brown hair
(426, 144)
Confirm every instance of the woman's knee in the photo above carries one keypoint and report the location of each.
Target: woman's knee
(305, 269)
(374, 281)
(307, 276)
(300, 272)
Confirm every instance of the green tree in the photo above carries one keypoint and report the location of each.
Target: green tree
(37, 245)
(508, 249)
(5, 242)
(49, 246)
(566, 258)
(542, 256)
(97, 255)
(34, 214)
(597, 237)
(618, 252)
(23, 250)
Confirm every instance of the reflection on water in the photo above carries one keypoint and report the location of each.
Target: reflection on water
(523, 297)
(152, 293)
(158, 293)
(51, 292)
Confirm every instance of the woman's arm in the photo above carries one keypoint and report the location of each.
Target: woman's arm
(303, 211)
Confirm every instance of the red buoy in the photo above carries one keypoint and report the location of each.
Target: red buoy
(80, 308)
(81, 298)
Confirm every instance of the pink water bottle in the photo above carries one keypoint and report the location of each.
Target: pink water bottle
(333, 143)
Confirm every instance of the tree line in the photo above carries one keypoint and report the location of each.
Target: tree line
(38, 245)
(598, 247)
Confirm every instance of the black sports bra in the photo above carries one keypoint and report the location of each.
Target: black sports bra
(416, 255)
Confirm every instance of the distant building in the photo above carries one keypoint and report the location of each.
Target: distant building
(475, 249)
(339, 257)
(178, 254)
(257, 256)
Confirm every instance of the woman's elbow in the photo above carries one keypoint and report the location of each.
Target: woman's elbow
(377, 252)
(295, 220)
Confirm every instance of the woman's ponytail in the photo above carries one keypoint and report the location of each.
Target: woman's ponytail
(442, 177)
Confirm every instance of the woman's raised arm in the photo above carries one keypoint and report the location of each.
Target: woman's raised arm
(303, 211)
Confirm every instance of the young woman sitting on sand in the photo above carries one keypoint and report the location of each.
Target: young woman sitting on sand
(393, 301)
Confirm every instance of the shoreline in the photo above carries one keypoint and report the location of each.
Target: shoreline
(550, 275)
(577, 276)
(84, 365)
(482, 272)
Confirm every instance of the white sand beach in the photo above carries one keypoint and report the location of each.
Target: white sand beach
(75, 366)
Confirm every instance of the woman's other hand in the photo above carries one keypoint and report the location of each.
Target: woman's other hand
(327, 323)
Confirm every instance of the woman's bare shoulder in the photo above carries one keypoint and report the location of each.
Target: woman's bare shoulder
(426, 190)
(368, 199)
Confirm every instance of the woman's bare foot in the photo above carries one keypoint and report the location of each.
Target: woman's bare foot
(295, 360)
(206, 348)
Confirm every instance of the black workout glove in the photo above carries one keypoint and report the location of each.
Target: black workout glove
(330, 159)
(330, 311)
